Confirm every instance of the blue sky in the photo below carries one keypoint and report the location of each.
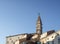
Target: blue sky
(20, 16)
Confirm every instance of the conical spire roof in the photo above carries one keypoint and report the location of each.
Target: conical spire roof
(39, 20)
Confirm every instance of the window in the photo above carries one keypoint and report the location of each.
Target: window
(52, 36)
(47, 38)
(58, 40)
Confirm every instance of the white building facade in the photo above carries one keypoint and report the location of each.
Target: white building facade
(50, 37)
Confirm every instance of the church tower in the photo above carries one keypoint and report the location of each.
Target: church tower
(39, 26)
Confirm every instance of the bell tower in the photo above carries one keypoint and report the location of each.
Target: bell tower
(39, 25)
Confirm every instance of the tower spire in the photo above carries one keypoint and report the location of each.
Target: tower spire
(39, 25)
